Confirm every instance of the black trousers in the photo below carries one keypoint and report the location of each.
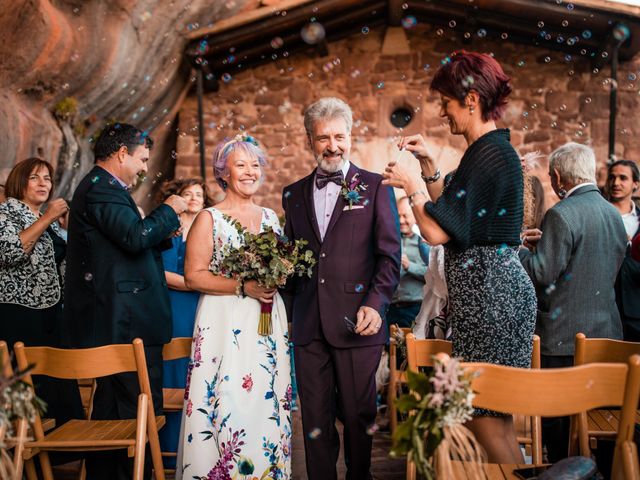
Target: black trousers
(555, 430)
(116, 398)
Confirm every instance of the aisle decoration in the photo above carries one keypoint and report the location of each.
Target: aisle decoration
(434, 434)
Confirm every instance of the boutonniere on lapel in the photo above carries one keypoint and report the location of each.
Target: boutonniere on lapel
(351, 191)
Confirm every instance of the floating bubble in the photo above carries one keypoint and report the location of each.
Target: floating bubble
(540, 24)
(570, 7)
(525, 114)
(439, 32)
(226, 77)
(565, 23)
(312, 33)
(409, 22)
(554, 124)
(586, 34)
(504, 35)
(632, 77)
(315, 433)
(482, 33)
(572, 40)
(560, 39)
(521, 63)
(555, 314)
(587, 100)
(452, 24)
(88, 277)
(467, 35)
(468, 263)
(405, 6)
(426, 67)
(482, 212)
(95, 179)
(277, 42)
(550, 289)
(563, 107)
(461, 193)
(568, 58)
(365, 30)
(380, 85)
(547, 59)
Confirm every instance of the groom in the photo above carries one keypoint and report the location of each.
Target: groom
(350, 222)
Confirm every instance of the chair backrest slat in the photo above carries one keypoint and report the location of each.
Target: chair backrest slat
(179, 347)
(420, 352)
(548, 392)
(592, 350)
(79, 363)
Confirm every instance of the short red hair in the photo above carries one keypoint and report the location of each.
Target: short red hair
(462, 72)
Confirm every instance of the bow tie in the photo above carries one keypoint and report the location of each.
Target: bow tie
(322, 178)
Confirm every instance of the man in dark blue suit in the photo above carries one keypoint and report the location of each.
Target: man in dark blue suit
(115, 289)
(623, 180)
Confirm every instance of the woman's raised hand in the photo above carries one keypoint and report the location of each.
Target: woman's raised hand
(253, 289)
(56, 209)
(417, 145)
(396, 174)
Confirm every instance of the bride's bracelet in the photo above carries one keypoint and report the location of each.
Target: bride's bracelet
(240, 289)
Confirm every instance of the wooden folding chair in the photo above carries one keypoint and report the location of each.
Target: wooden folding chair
(173, 398)
(17, 443)
(420, 354)
(397, 377)
(94, 435)
(562, 392)
(601, 423)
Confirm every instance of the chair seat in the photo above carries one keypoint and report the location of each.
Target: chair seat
(603, 423)
(172, 399)
(98, 434)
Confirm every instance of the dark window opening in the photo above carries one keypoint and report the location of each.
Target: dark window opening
(401, 117)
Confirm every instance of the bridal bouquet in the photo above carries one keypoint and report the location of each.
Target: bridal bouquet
(268, 258)
(438, 405)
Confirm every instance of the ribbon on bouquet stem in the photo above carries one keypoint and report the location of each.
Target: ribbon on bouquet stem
(264, 325)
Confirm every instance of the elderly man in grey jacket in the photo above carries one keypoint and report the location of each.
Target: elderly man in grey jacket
(573, 264)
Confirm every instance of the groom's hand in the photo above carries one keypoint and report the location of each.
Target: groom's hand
(368, 321)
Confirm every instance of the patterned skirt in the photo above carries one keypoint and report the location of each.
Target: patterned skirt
(492, 307)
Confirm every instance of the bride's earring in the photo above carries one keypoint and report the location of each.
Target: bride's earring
(471, 109)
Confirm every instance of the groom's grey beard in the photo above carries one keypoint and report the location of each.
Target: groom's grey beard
(330, 168)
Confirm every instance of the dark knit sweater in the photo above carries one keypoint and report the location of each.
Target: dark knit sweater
(483, 203)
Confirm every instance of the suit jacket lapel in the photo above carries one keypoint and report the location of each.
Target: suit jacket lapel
(307, 190)
(341, 202)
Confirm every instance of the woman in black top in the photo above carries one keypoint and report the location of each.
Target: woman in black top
(477, 215)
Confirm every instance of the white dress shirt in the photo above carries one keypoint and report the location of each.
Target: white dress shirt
(631, 221)
(324, 201)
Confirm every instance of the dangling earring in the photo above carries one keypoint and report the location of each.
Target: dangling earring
(562, 192)
(471, 110)
(224, 184)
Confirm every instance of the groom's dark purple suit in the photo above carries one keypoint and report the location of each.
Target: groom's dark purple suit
(358, 265)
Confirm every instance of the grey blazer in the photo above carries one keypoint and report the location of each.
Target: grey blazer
(574, 270)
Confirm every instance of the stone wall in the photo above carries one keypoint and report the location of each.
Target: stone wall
(557, 98)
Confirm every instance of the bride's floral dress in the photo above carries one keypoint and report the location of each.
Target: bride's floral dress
(236, 421)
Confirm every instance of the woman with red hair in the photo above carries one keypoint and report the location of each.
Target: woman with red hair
(476, 213)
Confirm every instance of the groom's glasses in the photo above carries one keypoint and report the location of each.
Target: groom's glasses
(350, 325)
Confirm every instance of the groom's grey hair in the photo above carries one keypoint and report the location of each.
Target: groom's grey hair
(327, 108)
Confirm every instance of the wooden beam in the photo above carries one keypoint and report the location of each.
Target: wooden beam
(246, 18)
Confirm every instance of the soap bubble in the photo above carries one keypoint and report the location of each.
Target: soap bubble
(312, 33)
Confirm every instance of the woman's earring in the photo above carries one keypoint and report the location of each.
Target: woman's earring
(471, 109)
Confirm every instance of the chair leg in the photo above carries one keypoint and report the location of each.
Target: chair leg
(154, 446)
(536, 440)
(30, 469)
(411, 470)
(391, 402)
(45, 464)
(141, 436)
(21, 436)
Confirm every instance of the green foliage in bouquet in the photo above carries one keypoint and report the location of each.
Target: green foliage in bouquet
(266, 257)
(437, 404)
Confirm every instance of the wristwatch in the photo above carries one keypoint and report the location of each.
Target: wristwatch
(433, 178)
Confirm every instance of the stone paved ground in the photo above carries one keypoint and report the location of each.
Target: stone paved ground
(382, 467)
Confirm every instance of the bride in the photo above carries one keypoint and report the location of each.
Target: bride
(236, 421)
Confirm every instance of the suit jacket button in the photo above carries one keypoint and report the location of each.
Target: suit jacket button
(322, 280)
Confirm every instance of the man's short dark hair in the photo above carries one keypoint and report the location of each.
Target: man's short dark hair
(117, 135)
(635, 172)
